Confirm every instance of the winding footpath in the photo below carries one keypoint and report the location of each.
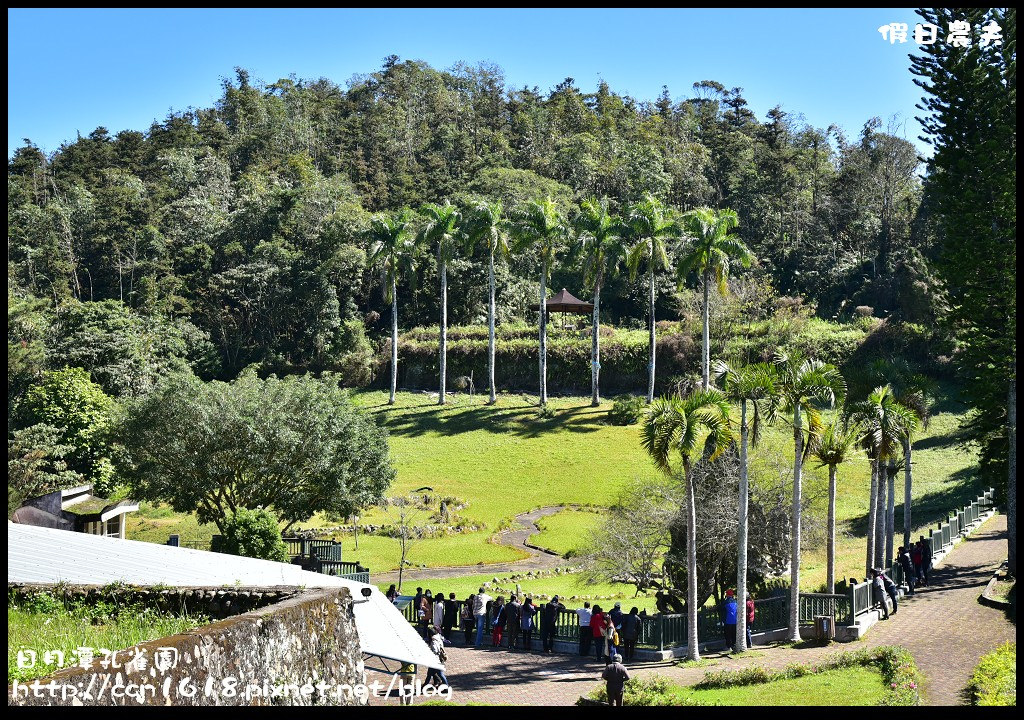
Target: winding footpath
(944, 627)
(538, 559)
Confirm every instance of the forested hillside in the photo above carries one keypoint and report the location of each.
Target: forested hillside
(234, 235)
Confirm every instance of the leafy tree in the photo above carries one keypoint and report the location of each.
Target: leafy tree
(443, 230)
(255, 534)
(540, 226)
(802, 384)
(68, 400)
(835, 446)
(124, 351)
(295, 445)
(600, 243)
(646, 228)
(37, 464)
(677, 425)
(393, 248)
(488, 226)
(27, 328)
(710, 252)
(756, 384)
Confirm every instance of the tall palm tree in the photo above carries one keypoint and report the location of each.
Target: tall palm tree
(677, 425)
(486, 225)
(442, 230)
(835, 446)
(394, 249)
(645, 229)
(755, 384)
(804, 384)
(600, 242)
(884, 422)
(539, 225)
(914, 391)
(710, 252)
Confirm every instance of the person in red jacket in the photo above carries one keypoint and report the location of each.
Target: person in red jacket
(597, 630)
(750, 619)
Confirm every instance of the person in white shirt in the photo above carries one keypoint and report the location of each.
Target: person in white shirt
(586, 634)
(480, 603)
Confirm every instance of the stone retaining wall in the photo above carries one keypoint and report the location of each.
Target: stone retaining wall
(301, 651)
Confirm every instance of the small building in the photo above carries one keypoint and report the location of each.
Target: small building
(78, 510)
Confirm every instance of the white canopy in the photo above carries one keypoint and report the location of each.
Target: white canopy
(46, 555)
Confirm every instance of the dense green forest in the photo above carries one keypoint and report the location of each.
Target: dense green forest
(231, 236)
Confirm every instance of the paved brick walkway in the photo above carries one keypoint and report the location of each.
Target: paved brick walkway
(944, 626)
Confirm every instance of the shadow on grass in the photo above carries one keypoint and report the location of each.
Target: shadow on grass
(937, 442)
(520, 421)
(963, 487)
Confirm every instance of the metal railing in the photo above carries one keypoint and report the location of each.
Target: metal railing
(959, 523)
(664, 631)
(838, 606)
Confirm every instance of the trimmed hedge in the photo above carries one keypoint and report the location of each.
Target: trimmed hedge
(624, 356)
(624, 353)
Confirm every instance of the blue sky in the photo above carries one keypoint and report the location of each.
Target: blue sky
(72, 70)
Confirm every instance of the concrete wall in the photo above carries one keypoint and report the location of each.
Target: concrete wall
(304, 648)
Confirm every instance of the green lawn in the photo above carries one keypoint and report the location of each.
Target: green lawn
(848, 686)
(567, 531)
(856, 685)
(505, 460)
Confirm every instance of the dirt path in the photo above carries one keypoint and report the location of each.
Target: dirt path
(517, 537)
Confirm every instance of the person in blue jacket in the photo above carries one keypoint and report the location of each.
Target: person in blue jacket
(729, 619)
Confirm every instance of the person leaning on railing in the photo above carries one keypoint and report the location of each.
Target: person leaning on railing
(586, 634)
(513, 608)
(549, 623)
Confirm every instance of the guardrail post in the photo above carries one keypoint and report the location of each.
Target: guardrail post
(661, 631)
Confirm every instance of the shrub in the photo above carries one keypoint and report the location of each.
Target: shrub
(626, 410)
(255, 534)
(653, 692)
(994, 681)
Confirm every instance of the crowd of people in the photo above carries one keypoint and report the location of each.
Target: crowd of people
(611, 635)
(915, 562)
(514, 624)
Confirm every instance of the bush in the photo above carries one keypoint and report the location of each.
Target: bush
(653, 692)
(626, 410)
(255, 534)
(994, 681)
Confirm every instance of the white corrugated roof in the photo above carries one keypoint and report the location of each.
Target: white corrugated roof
(46, 555)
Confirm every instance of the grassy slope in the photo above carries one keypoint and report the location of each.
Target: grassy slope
(505, 460)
